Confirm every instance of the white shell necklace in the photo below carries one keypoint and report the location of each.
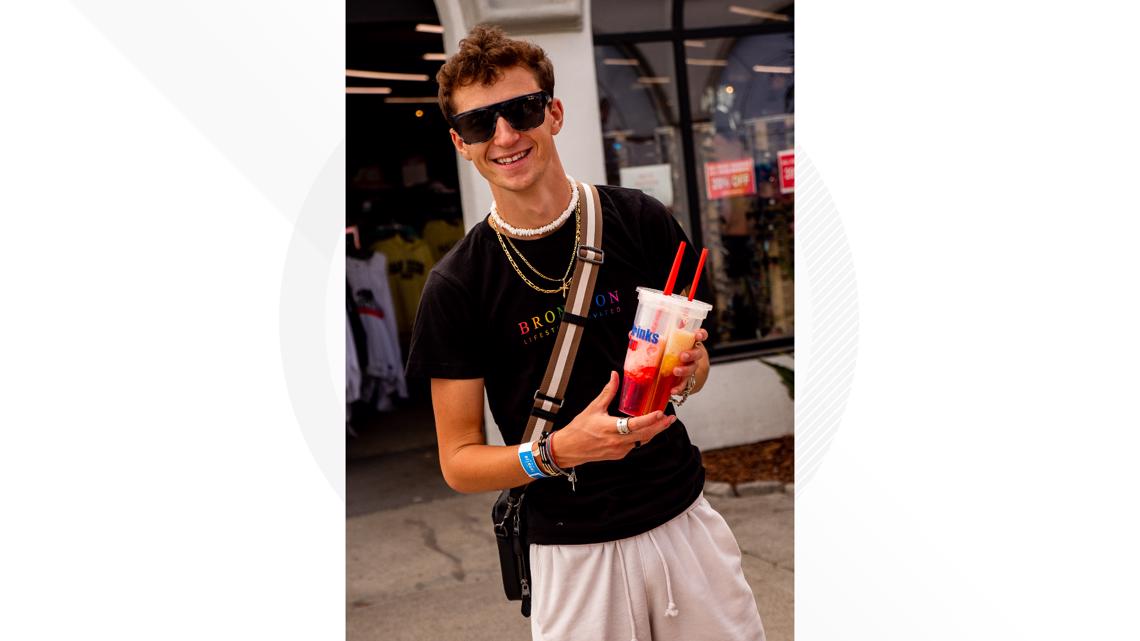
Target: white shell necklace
(538, 231)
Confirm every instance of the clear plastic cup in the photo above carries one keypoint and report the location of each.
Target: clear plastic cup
(687, 318)
(663, 327)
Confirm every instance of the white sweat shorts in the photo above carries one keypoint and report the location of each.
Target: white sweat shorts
(681, 581)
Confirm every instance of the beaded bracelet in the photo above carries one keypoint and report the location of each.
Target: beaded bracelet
(550, 449)
(544, 464)
(547, 455)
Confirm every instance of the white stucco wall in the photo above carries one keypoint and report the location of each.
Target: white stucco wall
(742, 402)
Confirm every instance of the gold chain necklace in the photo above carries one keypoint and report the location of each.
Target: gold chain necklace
(577, 239)
(565, 282)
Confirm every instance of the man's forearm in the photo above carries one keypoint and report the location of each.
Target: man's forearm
(484, 468)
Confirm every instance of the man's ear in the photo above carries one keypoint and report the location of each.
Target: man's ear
(460, 146)
(556, 115)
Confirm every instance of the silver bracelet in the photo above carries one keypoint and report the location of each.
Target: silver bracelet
(678, 401)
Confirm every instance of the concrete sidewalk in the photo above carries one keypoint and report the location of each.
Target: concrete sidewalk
(430, 571)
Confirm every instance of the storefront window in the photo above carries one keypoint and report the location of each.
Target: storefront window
(631, 15)
(735, 127)
(638, 94)
(742, 111)
(723, 13)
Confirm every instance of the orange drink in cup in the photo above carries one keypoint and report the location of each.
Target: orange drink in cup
(686, 320)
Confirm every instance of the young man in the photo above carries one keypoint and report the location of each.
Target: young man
(631, 549)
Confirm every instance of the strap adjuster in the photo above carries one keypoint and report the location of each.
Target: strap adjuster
(539, 396)
(571, 317)
(541, 413)
(601, 255)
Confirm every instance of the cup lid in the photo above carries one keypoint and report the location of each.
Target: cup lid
(676, 301)
(690, 306)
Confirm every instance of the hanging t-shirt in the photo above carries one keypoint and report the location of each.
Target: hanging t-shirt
(408, 264)
(358, 336)
(441, 236)
(352, 365)
(370, 290)
(478, 319)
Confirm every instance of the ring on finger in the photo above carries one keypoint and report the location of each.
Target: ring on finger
(623, 426)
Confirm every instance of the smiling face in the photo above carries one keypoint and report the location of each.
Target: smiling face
(511, 160)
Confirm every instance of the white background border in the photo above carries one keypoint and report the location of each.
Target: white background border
(156, 482)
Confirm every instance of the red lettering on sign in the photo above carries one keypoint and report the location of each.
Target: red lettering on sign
(727, 178)
(786, 160)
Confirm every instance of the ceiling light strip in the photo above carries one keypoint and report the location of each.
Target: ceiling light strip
(418, 100)
(756, 13)
(384, 75)
(770, 69)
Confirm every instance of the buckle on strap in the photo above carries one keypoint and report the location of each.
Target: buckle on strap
(571, 317)
(541, 413)
(539, 396)
(601, 255)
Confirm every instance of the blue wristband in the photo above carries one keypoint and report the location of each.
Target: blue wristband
(526, 457)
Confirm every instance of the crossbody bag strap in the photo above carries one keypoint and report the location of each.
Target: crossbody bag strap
(549, 396)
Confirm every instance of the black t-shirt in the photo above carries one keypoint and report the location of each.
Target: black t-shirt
(478, 319)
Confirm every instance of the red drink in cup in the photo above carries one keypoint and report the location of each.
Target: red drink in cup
(643, 356)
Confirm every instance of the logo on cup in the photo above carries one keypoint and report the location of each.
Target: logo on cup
(641, 333)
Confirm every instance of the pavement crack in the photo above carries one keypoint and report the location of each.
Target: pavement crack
(475, 525)
(768, 561)
(431, 543)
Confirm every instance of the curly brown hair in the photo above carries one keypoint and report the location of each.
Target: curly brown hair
(483, 56)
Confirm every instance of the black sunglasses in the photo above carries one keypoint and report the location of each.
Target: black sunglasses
(523, 113)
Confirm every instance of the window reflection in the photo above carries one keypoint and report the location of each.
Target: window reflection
(721, 13)
(638, 104)
(742, 119)
(627, 16)
(741, 123)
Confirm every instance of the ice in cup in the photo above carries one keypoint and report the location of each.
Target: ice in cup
(663, 327)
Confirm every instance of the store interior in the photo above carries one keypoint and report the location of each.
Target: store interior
(402, 215)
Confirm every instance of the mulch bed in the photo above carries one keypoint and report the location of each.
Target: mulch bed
(772, 460)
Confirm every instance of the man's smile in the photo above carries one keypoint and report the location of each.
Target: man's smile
(513, 158)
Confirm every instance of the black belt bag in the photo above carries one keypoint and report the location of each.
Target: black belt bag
(514, 550)
(509, 514)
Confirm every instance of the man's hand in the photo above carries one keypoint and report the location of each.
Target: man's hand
(692, 360)
(593, 434)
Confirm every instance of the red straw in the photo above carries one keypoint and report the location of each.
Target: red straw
(676, 268)
(697, 276)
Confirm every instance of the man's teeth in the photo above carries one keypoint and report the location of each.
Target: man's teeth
(511, 159)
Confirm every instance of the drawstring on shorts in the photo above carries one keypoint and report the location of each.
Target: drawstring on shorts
(628, 598)
(671, 609)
